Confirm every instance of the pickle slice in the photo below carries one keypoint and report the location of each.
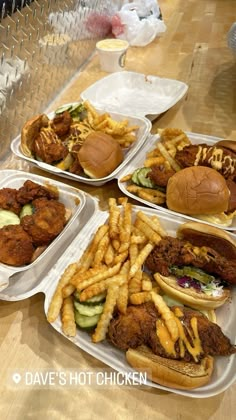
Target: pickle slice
(7, 217)
(193, 272)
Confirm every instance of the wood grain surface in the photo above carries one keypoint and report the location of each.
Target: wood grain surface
(194, 50)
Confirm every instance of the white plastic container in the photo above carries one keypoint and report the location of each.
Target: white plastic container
(224, 367)
(112, 54)
(135, 94)
(16, 281)
(142, 136)
(138, 161)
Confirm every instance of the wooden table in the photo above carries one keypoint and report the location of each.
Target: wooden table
(194, 50)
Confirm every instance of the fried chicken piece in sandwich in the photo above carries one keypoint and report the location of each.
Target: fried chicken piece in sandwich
(61, 124)
(171, 251)
(47, 221)
(16, 247)
(138, 326)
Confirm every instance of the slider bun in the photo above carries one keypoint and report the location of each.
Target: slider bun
(227, 144)
(189, 296)
(200, 234)
(197, 190)
(30, 131)
(100, 155)
(168, 372)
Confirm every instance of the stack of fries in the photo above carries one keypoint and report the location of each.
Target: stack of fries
(112, 263)
(120, 131)
(171, 140)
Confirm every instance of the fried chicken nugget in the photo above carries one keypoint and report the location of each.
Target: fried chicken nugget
(46, 222)
(16, 247)
(31, 190)
(8, 200)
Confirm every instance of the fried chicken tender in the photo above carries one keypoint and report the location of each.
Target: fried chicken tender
(8, 200)
(173, 251)
(213, 341)
(16, 247)
(31, 190)
(46, 222)
(138, 326)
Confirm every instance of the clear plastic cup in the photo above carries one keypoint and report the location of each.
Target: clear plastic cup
(112, 54)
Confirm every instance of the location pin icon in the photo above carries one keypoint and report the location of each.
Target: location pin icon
(16, 378)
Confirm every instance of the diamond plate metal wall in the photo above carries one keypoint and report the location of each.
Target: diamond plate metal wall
(42, 46)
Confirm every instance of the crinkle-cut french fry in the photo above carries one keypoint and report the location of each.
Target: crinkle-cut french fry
(68, 317)
(100, 118)
(68, 290)
(167, 315)
(146, 282)
(100, 287)
(88, 256)
(109, 255)
(57, 299)
(140, 297)
(153, 223)
(154, 153)
(103, 323)
(137, 189)
(120, 258)
(152, 236)
(125, 231)
(160, 229)
(135, 283)
(126, 139)
(126, 178)
(82, 275)
(123, 294)
(152, 197)
(167, 156)
(143, 254)
(101, 250)
(133, 253)
(105, 274)
(101, 126)
(114, 214)
(155, 160)
(138, 239)
(122, 200)
(116, 244)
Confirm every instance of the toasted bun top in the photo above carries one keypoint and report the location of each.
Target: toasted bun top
(189, 296)
(200, 234)
(100, 155)
(168, 372)
(227, 144)
(30, 131)
(197, 190)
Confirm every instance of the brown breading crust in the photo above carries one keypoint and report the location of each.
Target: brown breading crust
(138, 326)
(16, 247)
(30, 191)
(47, 221)
(8, 200)
(173, 251)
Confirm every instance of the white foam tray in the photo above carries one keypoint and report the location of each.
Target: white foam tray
(142, 135)
(135, 93)
(138, 161)
(26, 280)
(225, 367)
